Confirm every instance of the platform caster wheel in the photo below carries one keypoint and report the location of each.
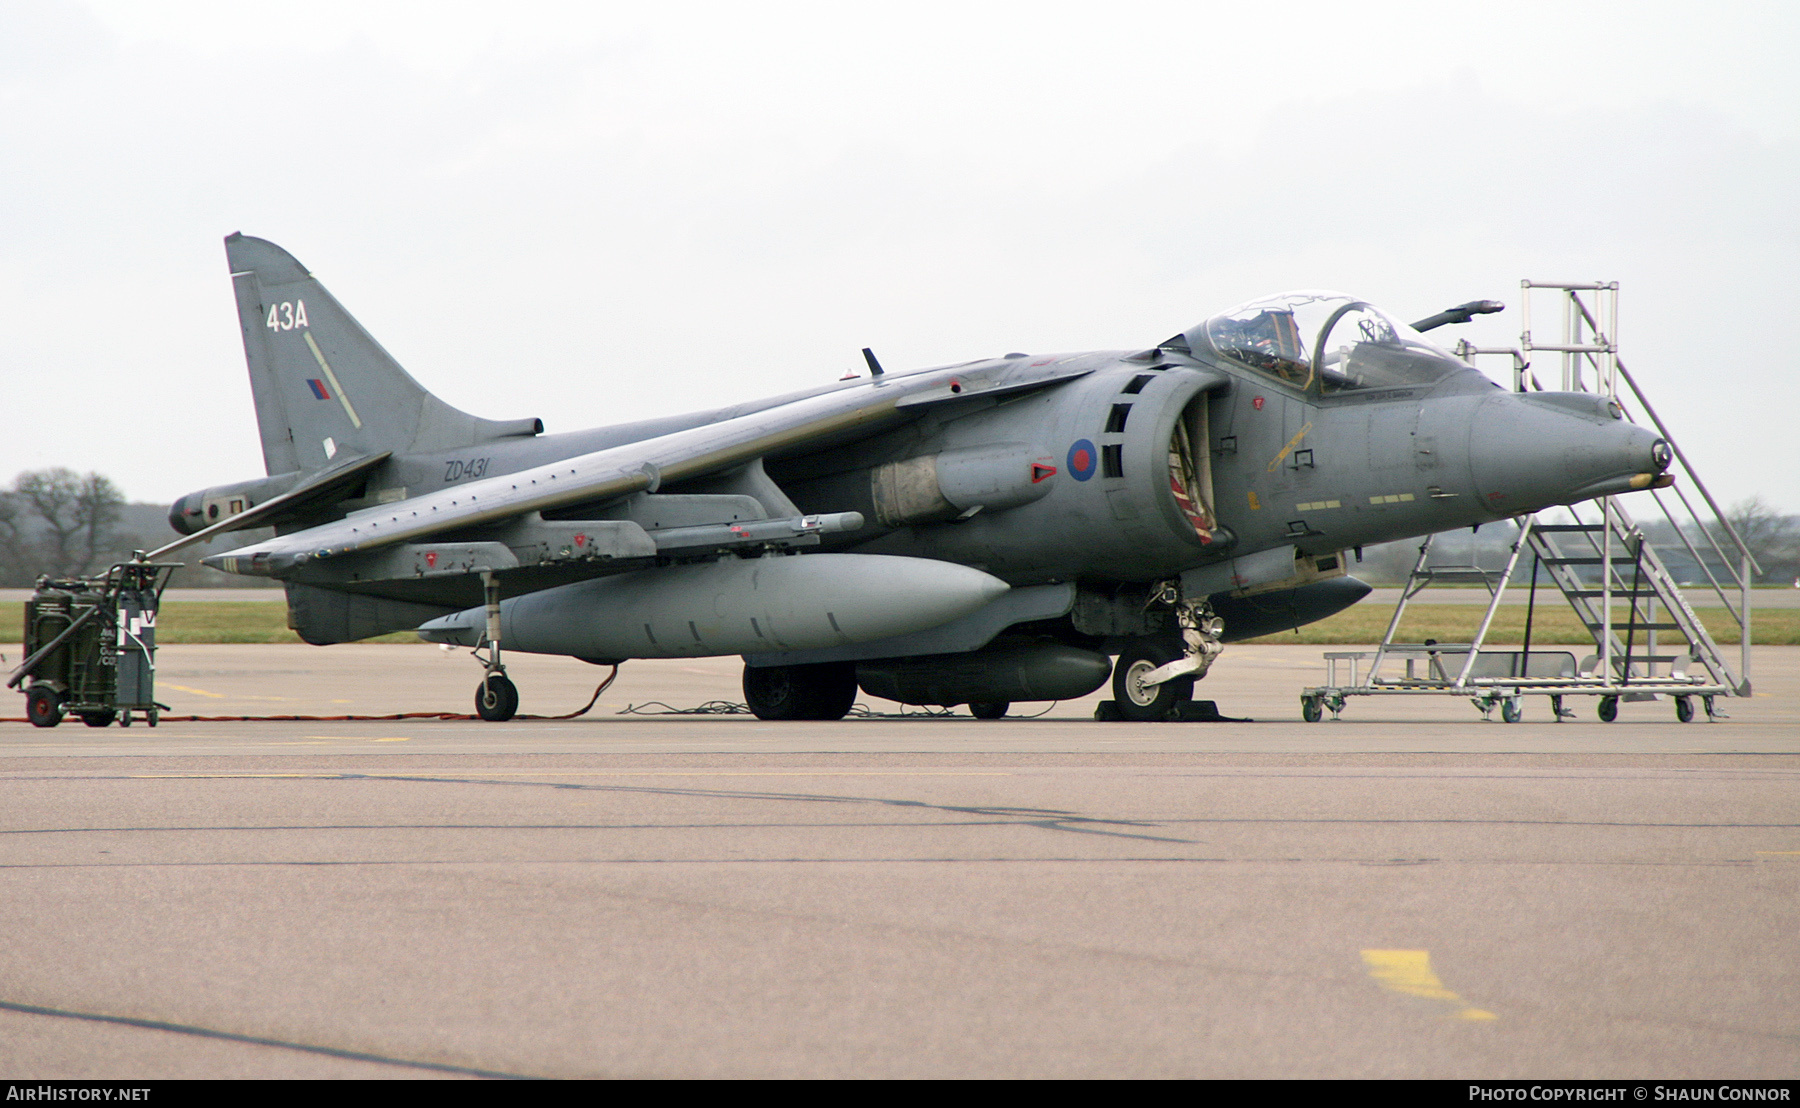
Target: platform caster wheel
(497, 699)
(99, 719)
(1512, 709)
(1684, 709)
(43, 707)
(1138, 701)
(1311, 709)
(1609, 709)
(989, 709)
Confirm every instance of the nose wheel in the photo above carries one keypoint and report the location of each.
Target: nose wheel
(497, 699)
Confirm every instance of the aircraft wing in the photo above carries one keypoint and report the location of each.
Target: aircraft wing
(604, 475)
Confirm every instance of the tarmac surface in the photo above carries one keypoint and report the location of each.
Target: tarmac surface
(1407, 892)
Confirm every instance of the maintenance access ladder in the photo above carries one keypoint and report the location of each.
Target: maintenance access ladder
(1656, 646)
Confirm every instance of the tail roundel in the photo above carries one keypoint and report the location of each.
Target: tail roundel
(323, 386)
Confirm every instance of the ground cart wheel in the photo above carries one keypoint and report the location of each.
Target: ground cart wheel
(99, 719)
(496, 699)
(1311, 710)
(1609, 709)
(43, 707)
(1684, 709)
(989, 709)
(1512, 709)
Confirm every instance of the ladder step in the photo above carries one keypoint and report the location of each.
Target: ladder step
(1640, 626)
(1618, 594)
(1566, 527)
(1586, 561)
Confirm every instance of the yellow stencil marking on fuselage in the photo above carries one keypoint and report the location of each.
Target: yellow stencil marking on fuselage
(1409, 972)
(1289, 448)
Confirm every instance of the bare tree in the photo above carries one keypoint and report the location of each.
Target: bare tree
(75, 517)
(1773, 538)
(15, 543)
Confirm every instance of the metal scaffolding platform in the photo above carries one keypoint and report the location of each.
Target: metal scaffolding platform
(1648, 641)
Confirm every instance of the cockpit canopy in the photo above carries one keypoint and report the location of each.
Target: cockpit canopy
(1324, 341)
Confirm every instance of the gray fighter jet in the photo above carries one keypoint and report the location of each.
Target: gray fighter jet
(982, 533)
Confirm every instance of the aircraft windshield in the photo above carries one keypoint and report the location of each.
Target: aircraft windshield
(1329, 342)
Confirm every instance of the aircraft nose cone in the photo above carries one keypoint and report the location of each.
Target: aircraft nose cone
(1534, 450)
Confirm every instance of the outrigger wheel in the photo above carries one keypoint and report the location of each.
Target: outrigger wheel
(497, 698)
(988, 709)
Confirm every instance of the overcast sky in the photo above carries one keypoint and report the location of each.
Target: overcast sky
(592, 213)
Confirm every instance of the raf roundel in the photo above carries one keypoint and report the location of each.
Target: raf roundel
(1081, 459)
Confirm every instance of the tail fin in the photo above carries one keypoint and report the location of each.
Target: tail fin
(322, 384)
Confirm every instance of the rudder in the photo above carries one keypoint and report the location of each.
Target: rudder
(322, 385)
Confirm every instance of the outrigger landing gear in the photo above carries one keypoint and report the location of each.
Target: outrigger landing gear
(497, 699)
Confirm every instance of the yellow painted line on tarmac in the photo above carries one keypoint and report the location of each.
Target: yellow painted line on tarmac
(196, 692)
(1409, 972)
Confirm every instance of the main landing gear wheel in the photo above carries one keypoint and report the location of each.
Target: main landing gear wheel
(43, 707)
(989, 709)
(497, 699)
(818, 692)
(1684, 709)
(1138, 701)
(1609, 709)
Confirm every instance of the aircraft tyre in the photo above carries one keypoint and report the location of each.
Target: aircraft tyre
(496, 699)
(99, 719)
(43, 707)
(989, 709)
(1139, 702)
(818, 692)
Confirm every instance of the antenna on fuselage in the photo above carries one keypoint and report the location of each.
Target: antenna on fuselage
(874, 366)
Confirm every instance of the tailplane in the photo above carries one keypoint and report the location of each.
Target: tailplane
(324, 388)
